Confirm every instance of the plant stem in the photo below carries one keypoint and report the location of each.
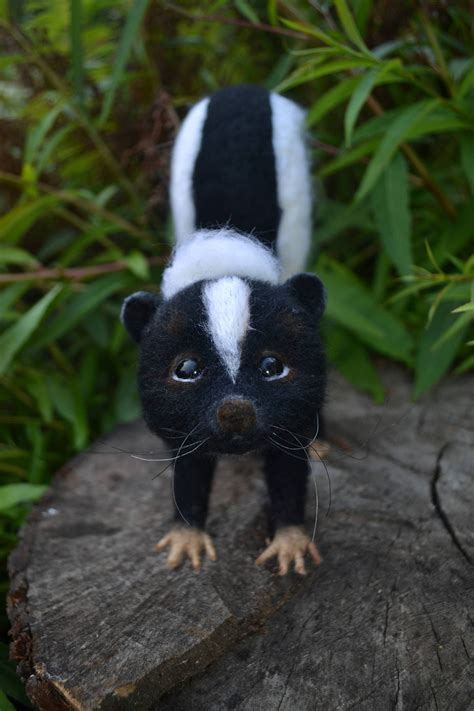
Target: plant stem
(74, 273)
(236, 22)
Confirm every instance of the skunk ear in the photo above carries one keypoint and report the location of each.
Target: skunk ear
(309, 291)
(137, 311)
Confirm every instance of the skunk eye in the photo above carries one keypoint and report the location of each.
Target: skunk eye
(188, 369)
(271, 368)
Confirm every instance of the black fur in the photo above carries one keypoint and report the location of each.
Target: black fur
(234, 175)
(282, 323)
(137, 311)
(234, 184)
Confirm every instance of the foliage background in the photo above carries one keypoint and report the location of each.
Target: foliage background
(91, 93)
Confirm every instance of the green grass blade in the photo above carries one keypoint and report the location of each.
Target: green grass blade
(433, 362)
(14, 494)
(20, 218)
(347, 158)
(17, 335)
(349, 25)
(396, 134)
(80, 305)
(358, 99)
(361, 93)
(16, 255)
(5, 704)
(37, 135)
(330, 99)
(390, 206)
(308, 74)
(130, 31)
(247, 11)
(351, 358)
(352, 306)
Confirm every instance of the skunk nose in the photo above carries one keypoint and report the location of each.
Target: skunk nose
(236, 415)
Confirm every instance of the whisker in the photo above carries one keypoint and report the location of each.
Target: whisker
(313, 474)
(170, 429)
(295, 435)
(173, 459)
(162, 471)
(286, 450)
(313, 448)
(138, 455)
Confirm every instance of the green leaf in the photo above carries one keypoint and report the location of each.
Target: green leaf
(466, 365)
(79, 306)
(458, 326)
(431, 364)
(5, 704)
(467, 82)
(37, 388)
(440, 120)
(20, 218)
(48, 147)
(77, 62)
(336, 218)
(352, 306)
(347, 158)
(350, 356)
(17, 335)
(69, 403)
(313, 31)
(390, 206)
(272, 12)
(362, 13)
(349, 25)
(303, 75)
(126, 404)
(453, 238)
(361, 93)
(37, 135)
(130, 32)
(15, 255)
(247, 11)
(36, 459)
(395, 135)
(466, 141)
(10, 295)
(14, 494)
(138, 265)
(465, 307)
(330, 99)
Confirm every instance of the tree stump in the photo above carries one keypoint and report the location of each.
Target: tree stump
(98, 622)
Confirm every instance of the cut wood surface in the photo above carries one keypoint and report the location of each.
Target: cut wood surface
(99, 622)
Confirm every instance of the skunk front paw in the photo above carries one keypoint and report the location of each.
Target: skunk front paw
(290, 544)
(319, 450)
(186, 542)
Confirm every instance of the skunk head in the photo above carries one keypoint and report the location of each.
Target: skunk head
(225, 363)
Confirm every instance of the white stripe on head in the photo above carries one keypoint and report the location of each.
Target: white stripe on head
(293, 183)
(185, 153)
(227, 304)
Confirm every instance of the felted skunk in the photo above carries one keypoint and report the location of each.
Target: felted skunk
(231, 359)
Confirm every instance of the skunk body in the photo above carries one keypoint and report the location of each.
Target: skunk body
(231, 359)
